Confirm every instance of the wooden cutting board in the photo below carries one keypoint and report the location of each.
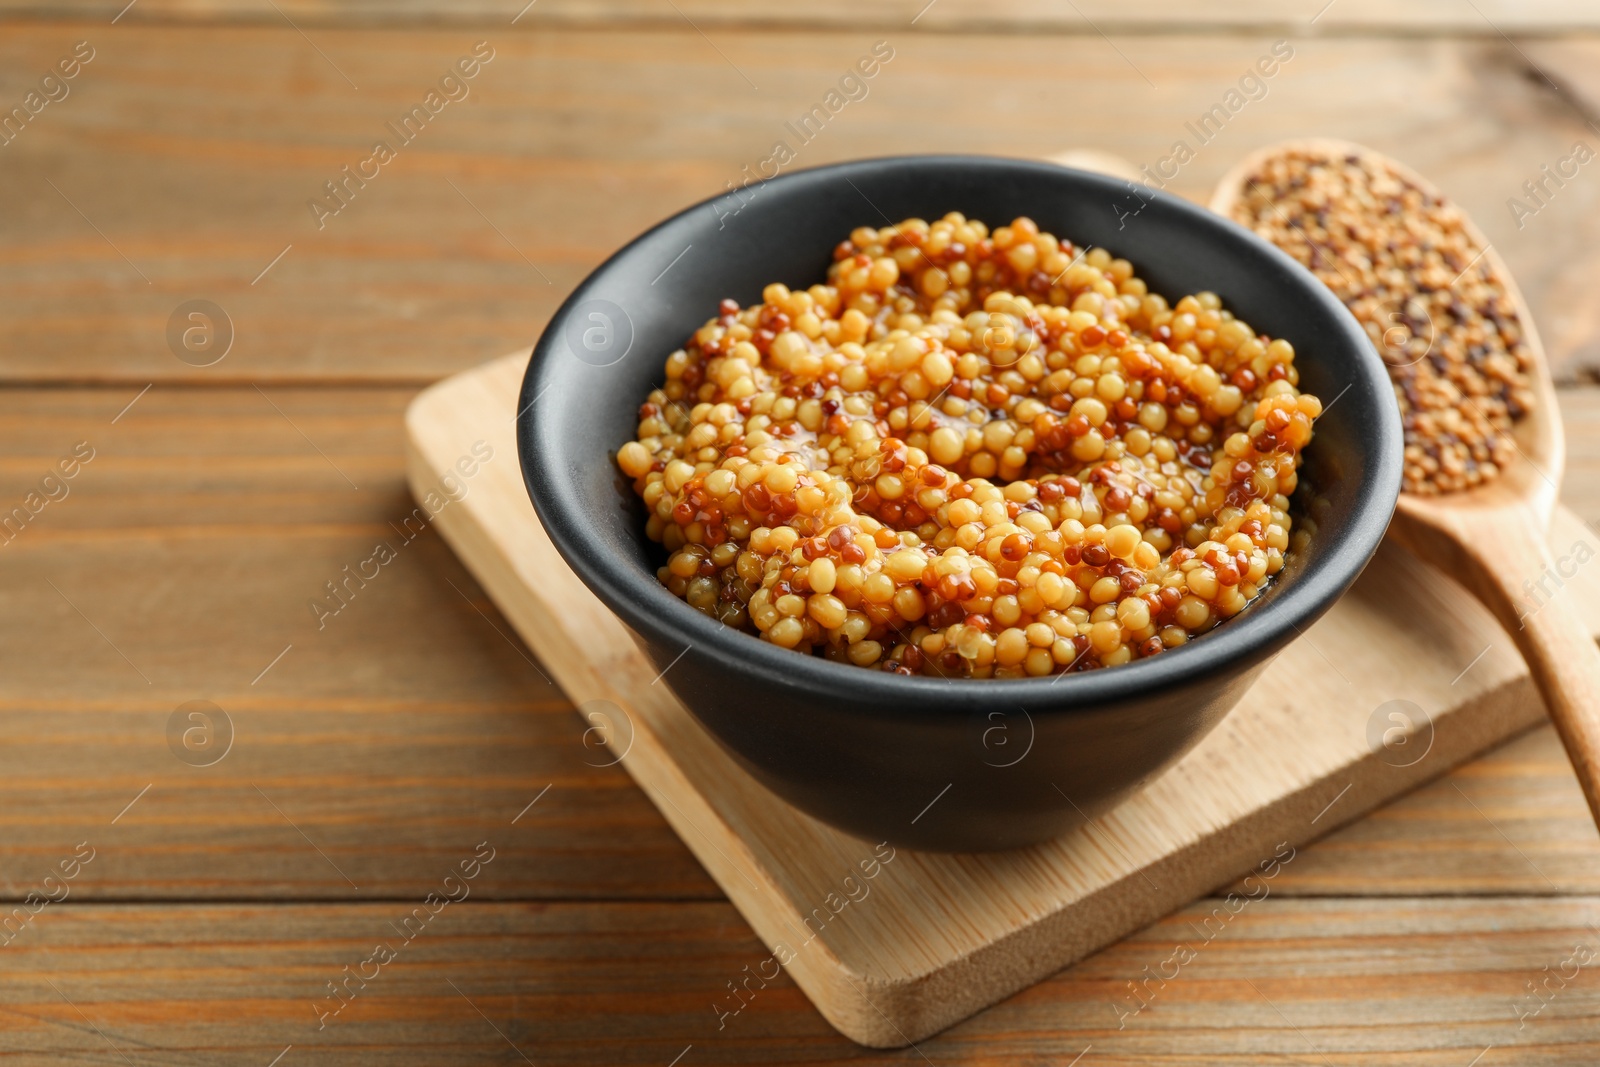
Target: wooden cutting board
(893, 945)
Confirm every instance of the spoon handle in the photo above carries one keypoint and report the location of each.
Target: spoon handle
(1507, 563)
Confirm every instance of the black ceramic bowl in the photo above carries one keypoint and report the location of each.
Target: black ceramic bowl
(927, 762)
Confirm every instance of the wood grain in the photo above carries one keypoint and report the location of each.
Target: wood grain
(400, 739)
(574, 140)
(1397, 983)
(392, 737)
(968, 930)
(1512, 823)
(205, 516)
(1486, 17)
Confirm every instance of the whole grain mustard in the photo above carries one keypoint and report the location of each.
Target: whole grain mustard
(972, 454)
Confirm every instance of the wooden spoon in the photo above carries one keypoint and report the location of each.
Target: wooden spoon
(1494, 538)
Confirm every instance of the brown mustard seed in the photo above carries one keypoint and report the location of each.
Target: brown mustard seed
(973, 454)
(1432, 303)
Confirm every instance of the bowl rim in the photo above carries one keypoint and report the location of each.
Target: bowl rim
(648, 608)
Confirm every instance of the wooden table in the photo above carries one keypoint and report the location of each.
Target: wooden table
(372, 756)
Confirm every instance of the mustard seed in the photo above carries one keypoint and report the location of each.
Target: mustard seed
(996, 460)
(1411, 270)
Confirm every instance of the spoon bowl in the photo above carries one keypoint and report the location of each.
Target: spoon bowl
(1493, 537)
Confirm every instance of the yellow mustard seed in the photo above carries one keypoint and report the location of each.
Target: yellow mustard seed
(972, 455)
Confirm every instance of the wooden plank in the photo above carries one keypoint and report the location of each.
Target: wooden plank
(572, 141)
(408, 723)
(204, 509)
(1007, 16)
(972, 929)
(1404, 983)
(1512, 822)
